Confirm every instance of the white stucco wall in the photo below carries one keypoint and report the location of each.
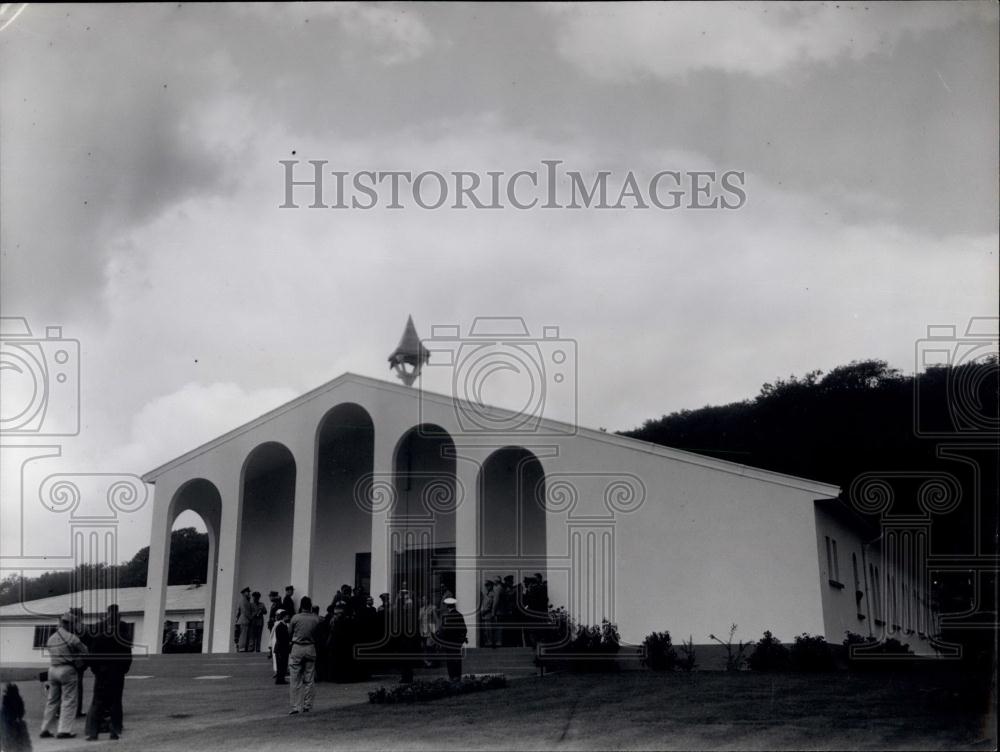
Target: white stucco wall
(17, 636)
(705, 549)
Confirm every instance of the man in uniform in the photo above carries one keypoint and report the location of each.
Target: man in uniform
(453, 635)
(289, 601)
(110, 659)
(243, 616)
(258, 612)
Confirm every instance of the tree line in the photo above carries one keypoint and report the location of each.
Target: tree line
(188, 562)
(868, 420)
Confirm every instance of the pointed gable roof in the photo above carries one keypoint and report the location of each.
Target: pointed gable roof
(410, 349)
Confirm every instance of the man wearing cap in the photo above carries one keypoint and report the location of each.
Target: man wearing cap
(452, 634)
(302, 658)
(258, 612)
(110, 659)
(288, 603)
(272, 611)
(66, 655)
(243, 616)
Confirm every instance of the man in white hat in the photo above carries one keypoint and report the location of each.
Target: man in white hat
(452, 635)
(66, 655)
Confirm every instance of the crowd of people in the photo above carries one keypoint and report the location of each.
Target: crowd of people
(514, 615)
(105, 648)
(354, 638)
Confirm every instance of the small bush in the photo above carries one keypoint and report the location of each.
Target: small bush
(769, 655)
(582, 648)
(688, 658)
(421, 691)
(735, 654)
(811, 653)
(874, 654)
(660, 653)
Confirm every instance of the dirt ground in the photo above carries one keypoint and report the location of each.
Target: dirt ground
(230, 703)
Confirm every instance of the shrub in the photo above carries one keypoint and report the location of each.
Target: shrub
(421, 691)
(769, 655)
(735, 655)
(659, 652)
(687, 661)
(874, 654)
(580, 647)
(811, 653)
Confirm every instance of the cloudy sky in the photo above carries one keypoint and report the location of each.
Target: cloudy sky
(140, 187)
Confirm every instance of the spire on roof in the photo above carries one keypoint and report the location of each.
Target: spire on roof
(409, 352)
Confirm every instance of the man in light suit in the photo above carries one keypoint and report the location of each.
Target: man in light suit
(243, 617)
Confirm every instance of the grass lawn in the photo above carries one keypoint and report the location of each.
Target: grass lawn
(171, 710)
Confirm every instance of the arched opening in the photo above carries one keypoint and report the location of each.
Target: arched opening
(267, 513)
(422, 519)
(196, 504)
(511, 543)
(342, 532)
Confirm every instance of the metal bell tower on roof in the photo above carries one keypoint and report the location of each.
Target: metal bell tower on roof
(410, 355)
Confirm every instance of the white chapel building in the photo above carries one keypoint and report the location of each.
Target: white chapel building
(372, 483)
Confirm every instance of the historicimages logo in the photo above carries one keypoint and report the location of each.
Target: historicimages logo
(39, 406)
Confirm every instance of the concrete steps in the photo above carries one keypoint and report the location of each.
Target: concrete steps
(499, 661)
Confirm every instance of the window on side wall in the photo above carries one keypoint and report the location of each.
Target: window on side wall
(832, 565)
(859, 594)
(42, 634)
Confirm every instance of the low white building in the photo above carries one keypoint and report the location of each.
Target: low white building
(377, 484)
(25, 627)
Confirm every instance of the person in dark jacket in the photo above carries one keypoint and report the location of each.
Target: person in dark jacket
(288, 603)
(272, 611)
(14, 736)
(110, 659)
(452, 635)
(340, 644)
(322, 640)
(404, 635)
(282, 645)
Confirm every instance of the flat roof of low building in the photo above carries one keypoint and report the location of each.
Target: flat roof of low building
(130, 600)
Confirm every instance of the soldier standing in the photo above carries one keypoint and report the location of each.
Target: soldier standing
(453, 635)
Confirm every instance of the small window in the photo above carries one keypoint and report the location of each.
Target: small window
(876, 592)
(832, 566)
(42, 635)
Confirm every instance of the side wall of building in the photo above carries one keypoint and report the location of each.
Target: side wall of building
(694, 549)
